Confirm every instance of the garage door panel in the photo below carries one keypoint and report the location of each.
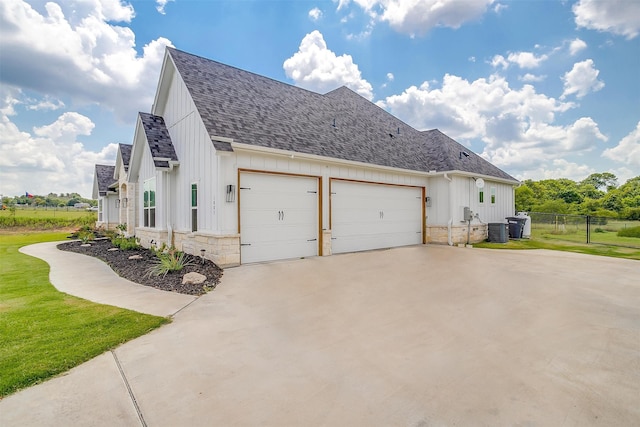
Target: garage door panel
(371, 216)
(278, 217)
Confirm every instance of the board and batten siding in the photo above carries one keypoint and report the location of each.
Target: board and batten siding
(198, 162)
(147, 171)
(447, 205)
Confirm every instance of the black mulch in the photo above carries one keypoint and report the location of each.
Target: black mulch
(136, 270)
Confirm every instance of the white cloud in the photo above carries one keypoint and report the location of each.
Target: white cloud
(621, 17)
(521, 59)
(558, 168)
(317, 68)
(88, 58)
(577, 46)
(499, 61)
(498, 8)
(526, 59)
(46, 104)
(417, 17)
(582, 79)
(390, 77)
(161, 4)
(628, 149)
(50, 159)
(516, 125)
(315, 14)
(531, 78)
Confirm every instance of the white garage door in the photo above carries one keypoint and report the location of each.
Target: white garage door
(278, 217)
(372, 216)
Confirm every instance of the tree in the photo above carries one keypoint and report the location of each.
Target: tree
(604, 180)
(525, 198)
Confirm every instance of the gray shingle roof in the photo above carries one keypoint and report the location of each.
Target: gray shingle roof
(125, 153)
(341, 124)
(104, 175)
(159, 141)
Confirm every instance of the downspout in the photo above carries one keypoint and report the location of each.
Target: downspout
(167, 210)
(450, 223)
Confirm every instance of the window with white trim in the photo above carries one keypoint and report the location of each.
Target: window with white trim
(493, 195)
(100, 209)
(149, 206)
(194, 207)
(481, 195)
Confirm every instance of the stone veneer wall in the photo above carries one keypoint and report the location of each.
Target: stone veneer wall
(147, 235)
(224, 250)
(106, 226)
(326, 243)
(440, 234)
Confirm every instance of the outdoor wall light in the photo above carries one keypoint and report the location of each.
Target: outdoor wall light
(231, 193)
(124, 202)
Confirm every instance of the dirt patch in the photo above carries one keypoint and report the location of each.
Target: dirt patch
(137, 269)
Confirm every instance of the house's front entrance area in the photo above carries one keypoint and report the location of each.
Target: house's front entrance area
(279, 216)
(368, 216)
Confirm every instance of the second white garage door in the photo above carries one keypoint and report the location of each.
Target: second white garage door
(368, 216)
(278, 217)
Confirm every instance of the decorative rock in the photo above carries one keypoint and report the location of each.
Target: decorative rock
(85, 245)
(135, 257)
(112, 249)
(193, 278)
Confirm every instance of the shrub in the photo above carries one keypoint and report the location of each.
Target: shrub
(125, 243)
(86, 236)
(598, 230)
(170, 261)
(629, 232)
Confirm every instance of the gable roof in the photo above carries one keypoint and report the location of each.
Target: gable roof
(158, 139)
(256, 110)
(103, 178)
(125, 153)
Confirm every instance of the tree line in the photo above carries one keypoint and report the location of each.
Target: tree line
(598, 195)
(50, 200)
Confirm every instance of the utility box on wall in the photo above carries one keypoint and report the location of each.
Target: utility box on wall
(467, 213)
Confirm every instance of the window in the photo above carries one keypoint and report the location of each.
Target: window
(480, 195)
(100, 210)
(194, 207)
(493, 195)
(149, 205)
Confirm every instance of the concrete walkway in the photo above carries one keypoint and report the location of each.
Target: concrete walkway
(89, 278)
(415, 336)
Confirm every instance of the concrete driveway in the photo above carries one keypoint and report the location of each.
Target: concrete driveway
(417, 336)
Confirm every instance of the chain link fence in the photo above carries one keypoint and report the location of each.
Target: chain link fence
(583, 229)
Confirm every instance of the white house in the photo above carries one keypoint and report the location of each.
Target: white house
(116, 197)
(244, 169)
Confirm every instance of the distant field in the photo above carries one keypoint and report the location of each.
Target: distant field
(70, 213)
(46, 219)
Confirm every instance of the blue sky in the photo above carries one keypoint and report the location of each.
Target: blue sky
(543, 89)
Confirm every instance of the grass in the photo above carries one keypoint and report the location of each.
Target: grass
(46, 219)
(45, 332)
(63, 213)
(606, 234)
(558, 245)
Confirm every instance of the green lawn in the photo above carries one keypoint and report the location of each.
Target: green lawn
(562, 245)
(603, 234)
(44, 332)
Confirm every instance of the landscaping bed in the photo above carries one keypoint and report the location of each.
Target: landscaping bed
(137, 269)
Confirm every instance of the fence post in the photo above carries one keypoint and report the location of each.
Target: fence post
(588, 229)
